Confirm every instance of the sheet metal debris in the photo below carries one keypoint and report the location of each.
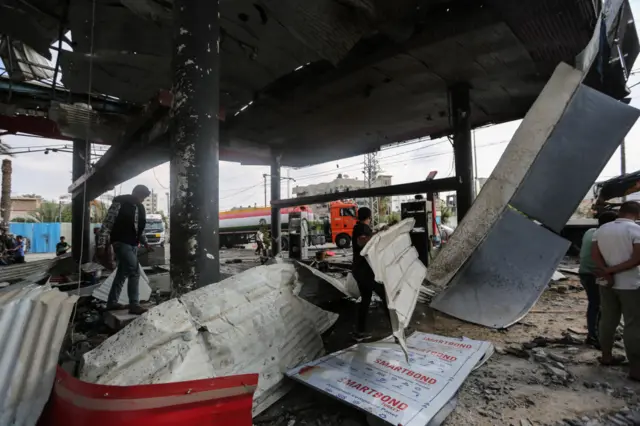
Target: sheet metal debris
(102, 292)
(33, 323)
(376, 377)
(476, 271)
(249, 323)
(395, 263)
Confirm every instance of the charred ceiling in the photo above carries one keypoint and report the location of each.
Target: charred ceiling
(319, 80)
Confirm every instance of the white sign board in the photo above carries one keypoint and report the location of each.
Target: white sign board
(377, 379)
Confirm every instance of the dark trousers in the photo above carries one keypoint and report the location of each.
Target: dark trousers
(592, 289)
(18, 259)
(260, 248)
(367, 286)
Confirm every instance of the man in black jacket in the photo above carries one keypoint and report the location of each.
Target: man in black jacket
(124, 228)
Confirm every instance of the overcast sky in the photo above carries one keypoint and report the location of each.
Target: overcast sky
(50, 175)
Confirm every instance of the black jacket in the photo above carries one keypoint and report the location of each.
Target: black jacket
(124, 223)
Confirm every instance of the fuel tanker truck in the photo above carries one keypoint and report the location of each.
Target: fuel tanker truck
(240, 226)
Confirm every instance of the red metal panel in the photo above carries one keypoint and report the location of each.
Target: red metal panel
(222, 401)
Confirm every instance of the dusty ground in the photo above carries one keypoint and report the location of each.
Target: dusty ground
(508, 389)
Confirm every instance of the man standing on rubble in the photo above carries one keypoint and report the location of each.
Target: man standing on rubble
(363, 273)
(124, 228)
(616, 252)
(587, 272)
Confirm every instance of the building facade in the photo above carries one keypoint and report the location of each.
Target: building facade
(23, 207)
(341, 183)
(151, 203)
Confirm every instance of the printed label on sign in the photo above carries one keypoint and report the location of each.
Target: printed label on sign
(376, 378)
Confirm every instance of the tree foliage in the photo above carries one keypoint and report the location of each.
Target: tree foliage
(50, 212)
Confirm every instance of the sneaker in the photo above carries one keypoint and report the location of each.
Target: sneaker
(137, 310)
(115, 307)
(359, 337)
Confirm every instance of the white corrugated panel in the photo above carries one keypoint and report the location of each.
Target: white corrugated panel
(248, 323)
(33, 323)
(102, 292)
(395, 263)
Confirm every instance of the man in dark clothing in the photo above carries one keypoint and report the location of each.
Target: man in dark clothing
(124, 228)
(363, 273)
(62, 247)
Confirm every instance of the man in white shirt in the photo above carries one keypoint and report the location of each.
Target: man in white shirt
(259, 242)
(616, 253)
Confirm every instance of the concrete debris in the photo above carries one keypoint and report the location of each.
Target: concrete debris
(395, 263)
(249, 323)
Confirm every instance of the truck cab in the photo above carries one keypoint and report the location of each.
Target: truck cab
(155, 230)
(343, 216)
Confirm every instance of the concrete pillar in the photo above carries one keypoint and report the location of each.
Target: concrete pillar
(462, 147)
(195, 260)
(275, 211)
(80, 212)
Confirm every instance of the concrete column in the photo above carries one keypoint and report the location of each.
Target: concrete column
(275, 211)
(80, 213)
(462, 147)
(194, 240)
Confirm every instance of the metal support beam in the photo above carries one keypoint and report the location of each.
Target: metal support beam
(275, 210)
(80, 213)
(462, 147)
(427, 186)
(195, 260)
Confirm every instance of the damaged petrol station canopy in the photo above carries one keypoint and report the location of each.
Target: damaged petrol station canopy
(284, 83)
(292, 83)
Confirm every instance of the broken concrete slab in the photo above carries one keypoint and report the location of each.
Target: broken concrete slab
(249, 323)
(117, 320)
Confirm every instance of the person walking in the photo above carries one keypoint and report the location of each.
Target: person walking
(587, 274)
(124, 228)
(259, 242)
(616, 253)
(363, 274)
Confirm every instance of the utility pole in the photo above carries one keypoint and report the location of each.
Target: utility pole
(288, 183)
(264, 176)
(5, 200)
(371, 169)
(623, 163)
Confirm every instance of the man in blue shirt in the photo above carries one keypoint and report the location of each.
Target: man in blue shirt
(18, 250)
(588, 279)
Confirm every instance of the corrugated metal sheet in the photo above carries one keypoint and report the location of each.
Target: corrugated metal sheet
(249, 323)
(395, 262)
(33, 323)
(21, 271)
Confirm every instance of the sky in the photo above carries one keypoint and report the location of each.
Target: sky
(50, 175)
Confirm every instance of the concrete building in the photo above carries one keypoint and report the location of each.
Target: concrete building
(341, 183)
(151, 203)
(24, 206)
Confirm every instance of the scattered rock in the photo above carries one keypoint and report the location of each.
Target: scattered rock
(557, 373)
(572, 350)
(559, 358)
(525, 422)
(539, 355)
(560, 289)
